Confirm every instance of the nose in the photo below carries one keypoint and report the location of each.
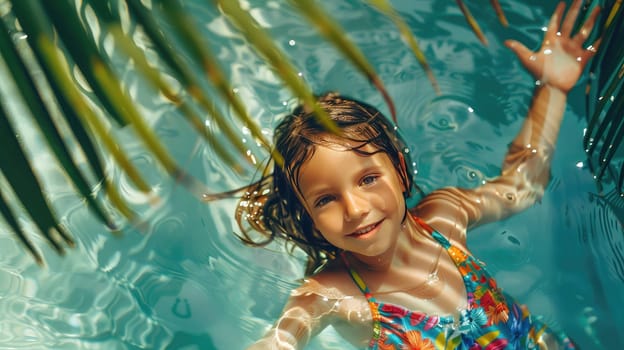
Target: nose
(355, 205)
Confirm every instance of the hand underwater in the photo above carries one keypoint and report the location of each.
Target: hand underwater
(561, 59)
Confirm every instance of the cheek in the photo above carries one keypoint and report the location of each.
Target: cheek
(327, 222)
(390, 195)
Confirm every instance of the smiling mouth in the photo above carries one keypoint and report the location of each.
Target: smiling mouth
(365, 230)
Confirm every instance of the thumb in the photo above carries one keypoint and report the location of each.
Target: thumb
(518, 48)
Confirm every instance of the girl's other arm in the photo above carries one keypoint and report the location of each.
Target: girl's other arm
(556, 66)
(303, 317)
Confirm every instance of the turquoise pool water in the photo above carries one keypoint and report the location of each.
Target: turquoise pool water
(185, 282)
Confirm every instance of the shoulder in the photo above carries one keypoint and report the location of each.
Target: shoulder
(326, 297)
(447, 210)
(332, 283)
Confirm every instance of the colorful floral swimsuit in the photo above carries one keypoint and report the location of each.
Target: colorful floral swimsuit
(491, 321)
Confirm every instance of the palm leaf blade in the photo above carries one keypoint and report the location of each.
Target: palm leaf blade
(385, 7)
(605, 108)
(335, 34)
(44, 121)
(81, 114)
(187, 79)
(6, 213)
(472, 22)
(16, 169)
(192, 39)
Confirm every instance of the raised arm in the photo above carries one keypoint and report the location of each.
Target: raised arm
(556, 65)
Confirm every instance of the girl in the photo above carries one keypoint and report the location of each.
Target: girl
(388, 277)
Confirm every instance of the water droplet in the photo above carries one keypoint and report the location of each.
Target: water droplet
(20, 36)
(292, 42)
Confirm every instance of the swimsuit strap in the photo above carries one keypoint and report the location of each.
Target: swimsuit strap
(422, 223)
(357, 279)
(434, 233)
(372, 303)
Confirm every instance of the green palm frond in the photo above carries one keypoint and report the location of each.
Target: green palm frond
(80, 120)
(605, 102)
(387, 9)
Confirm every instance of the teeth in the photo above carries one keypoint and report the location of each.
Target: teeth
(364, 230)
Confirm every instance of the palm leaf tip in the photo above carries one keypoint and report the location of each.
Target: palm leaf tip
(500, 13)
(472, 22)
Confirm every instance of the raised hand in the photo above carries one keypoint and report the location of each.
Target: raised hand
(562, 57)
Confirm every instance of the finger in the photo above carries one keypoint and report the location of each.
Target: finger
(587, 27)
(553, 25)
(589, 52)
(593, 48)
(570, 18)
(519, 49)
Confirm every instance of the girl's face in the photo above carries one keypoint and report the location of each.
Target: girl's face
(355, 201)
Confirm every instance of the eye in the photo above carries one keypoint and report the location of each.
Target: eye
(369, 179)
(322, 201)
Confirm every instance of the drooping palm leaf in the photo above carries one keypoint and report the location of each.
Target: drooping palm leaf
(385, 7)
(110, 90)
(34, 101)
(79, 115)
(499, 12)
(335, 34)
(7, 214)
(190, 37)
(16, 169)
(112, 24)
(605, 101)
(274, 56)
(60, 38)
(78, 112)
(472, 22)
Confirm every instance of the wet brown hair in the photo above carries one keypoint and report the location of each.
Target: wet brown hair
(272, 205)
